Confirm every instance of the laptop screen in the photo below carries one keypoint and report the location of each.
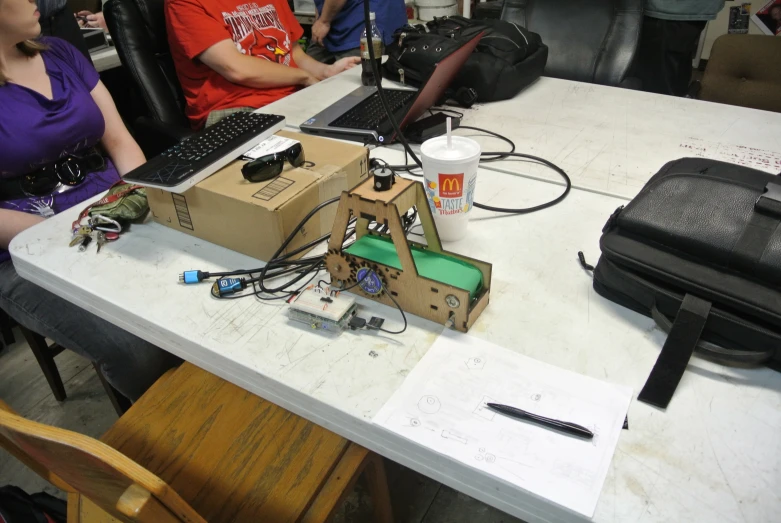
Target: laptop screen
(440, 79)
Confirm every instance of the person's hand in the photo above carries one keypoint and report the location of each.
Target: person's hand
(320, 31)
(94, 20)
(342, 65)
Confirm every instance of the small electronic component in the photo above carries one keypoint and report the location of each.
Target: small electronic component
(370, 281)
(383, 179)
(356, 322)
(225, 286)
(323, 310)
(375, 323)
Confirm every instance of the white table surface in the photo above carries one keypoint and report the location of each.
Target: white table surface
(714, 455)
(105, 59)
(607, 139)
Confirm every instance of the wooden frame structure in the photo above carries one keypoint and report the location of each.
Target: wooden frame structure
(415, 294)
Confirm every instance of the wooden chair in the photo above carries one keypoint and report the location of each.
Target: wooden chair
(45, 353)
(6, 329)
(196, 448)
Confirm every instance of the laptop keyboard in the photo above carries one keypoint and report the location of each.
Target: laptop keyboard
(369, 114)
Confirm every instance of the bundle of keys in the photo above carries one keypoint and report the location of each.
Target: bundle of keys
(100, 229)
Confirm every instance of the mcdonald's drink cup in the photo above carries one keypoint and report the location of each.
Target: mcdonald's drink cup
(450, 177)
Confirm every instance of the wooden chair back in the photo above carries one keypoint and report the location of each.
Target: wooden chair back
(77, 463)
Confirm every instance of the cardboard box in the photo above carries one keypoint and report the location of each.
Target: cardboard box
(255, 218)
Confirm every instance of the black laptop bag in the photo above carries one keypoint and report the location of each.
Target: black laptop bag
(507, 58)
(699, 250)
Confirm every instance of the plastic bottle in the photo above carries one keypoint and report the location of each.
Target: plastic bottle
(367, 75)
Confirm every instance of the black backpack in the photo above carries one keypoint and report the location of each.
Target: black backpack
(507, 59)
(17, 506)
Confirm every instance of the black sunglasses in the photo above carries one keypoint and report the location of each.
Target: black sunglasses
(270, 166)
(70, 170)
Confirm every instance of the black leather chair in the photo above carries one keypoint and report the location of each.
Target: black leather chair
(138, 30)
(589, 40)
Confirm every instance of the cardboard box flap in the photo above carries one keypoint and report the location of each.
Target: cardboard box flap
(324, 151)
(270, 195)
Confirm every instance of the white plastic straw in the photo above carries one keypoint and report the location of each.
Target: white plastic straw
(449, 129)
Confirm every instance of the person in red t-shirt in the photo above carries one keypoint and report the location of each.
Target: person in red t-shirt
(232, 54)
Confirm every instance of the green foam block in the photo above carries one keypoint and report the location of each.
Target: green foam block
(432, 265)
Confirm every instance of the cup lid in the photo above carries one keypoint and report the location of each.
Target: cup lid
(463, 148)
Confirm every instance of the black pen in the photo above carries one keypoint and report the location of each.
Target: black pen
(563, 426)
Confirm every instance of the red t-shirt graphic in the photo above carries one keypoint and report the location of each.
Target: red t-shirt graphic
(265, 29)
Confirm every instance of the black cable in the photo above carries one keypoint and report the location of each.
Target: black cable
(484, 157)
(311, 244)
(280, 265)
(496, 135)
(407, 167)
(378, 80)
(417, 233)
(403, 316)
(286, 243)
(495, 156)
(542, 206)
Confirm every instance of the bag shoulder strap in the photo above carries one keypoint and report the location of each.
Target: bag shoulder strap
(515, 11)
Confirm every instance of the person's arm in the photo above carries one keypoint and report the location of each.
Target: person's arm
(14, 222)
(322, 25)
(318, 69)
(251, 71)
(120, 145)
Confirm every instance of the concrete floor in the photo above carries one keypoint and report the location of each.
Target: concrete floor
(87, 410)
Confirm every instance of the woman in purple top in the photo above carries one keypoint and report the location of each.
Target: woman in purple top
(53, 107)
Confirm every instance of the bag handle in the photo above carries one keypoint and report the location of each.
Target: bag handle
(717, 352)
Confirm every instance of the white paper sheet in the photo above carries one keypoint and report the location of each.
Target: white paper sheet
(272, 144)
(441, 405)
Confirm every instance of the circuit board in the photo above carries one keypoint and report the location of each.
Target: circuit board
(323, 309)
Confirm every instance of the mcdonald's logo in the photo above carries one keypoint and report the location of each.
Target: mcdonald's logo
(451, 185)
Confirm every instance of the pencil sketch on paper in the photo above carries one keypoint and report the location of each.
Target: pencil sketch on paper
(429, 404)
(448, 434)
(482, 409)
(442, 405)
(475, 363)
(488, 457)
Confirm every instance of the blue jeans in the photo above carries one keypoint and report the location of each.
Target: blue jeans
(129, 363)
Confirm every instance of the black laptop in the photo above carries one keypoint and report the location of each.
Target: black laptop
(360, 116)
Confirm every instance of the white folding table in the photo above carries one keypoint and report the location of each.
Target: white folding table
(714, 455)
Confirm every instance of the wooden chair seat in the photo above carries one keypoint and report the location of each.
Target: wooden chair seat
(231, 456)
